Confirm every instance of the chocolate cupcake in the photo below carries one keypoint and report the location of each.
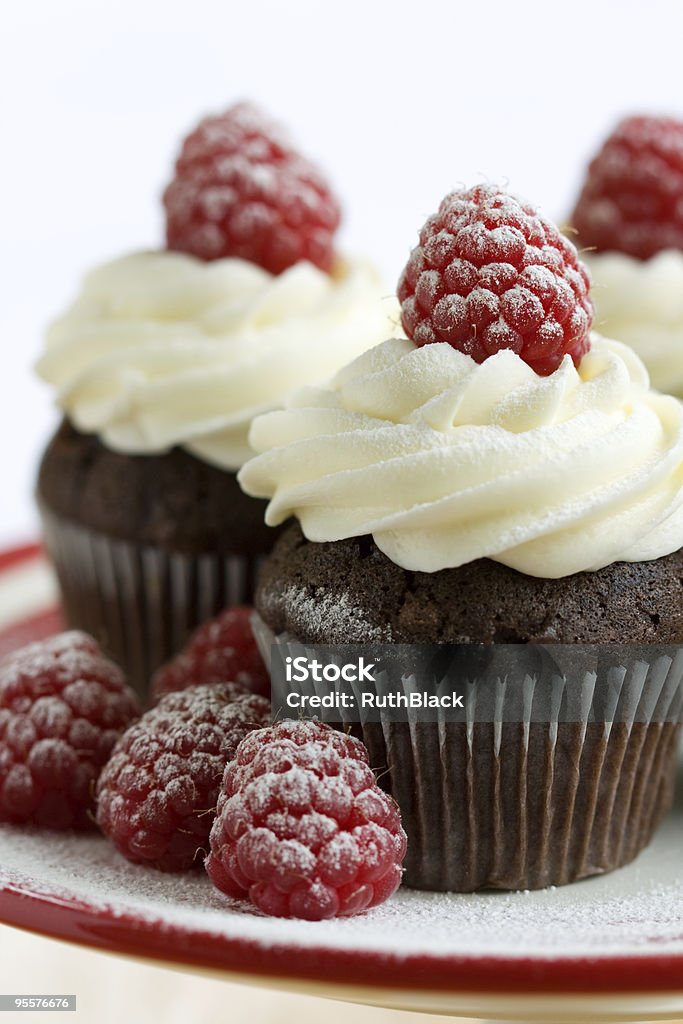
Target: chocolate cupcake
(453, 491)
(484, 823)
(145, 547)
(159, 367)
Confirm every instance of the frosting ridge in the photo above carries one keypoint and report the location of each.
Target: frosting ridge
(162, 349)
(640, 302)
(445, 461)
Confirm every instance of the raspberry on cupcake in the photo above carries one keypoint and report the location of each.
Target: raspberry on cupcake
(489, 274)
(501, 476)
(628, 219)
(241, 190)
(160, 365)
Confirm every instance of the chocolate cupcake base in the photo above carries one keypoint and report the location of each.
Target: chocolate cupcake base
(529, 810)
(146, 547)
(552, 774)
(348, 591)
(141, 601)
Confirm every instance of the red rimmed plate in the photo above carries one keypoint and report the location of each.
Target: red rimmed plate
(607, 947)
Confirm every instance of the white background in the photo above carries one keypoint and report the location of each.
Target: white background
(399, 101)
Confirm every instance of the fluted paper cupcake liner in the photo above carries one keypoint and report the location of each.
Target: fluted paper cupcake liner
(141, 601)
(502, 800)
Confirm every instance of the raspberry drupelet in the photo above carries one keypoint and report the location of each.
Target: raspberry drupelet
(63, 706)
(632, 199)
(490, 273)
(302, 829)
(221, 650)
(156, 798)
(241, 190)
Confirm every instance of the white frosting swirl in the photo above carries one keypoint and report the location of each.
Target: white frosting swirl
(161, 349)
(444, 461)
(640, 302)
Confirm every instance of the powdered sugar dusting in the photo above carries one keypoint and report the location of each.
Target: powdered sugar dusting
(302, 828)
(62, 707)
(635, 911)
(156, 793)
(327, 613)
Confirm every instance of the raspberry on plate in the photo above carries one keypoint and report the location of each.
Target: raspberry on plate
(222, 650)
(156, 797)
(490, 273)
(63, 706)
(632, 199)
(302, 828)
(240, 189)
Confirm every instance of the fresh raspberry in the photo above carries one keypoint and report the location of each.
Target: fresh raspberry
(489, 274)
(63, 706)
(156, 798)
(240, 189)
(302, 828)
(222, 650)
(632, 199)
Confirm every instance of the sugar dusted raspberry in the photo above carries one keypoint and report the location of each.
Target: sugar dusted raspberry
(223, 650)
(302, 828)
(63, 706)
(632, 199)
(489, 274)
(240, 189)
(156, 798)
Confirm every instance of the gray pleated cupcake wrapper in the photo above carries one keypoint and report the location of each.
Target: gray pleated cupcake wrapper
(140, 601)
(507, 799)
